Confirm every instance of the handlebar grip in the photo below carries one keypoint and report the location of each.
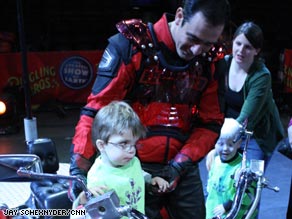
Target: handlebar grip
(274, 188)
(268, 186)
(137, 214)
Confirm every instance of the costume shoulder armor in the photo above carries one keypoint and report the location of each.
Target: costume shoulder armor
(137, 32)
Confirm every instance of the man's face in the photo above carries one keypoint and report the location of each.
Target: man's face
(195, 37)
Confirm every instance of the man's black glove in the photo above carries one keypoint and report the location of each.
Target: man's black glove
(75, 188)
(174, 171)
(79, 167)
(177, 168)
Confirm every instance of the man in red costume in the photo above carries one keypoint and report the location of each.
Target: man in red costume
(168, 73)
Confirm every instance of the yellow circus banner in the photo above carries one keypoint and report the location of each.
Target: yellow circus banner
(65, 76)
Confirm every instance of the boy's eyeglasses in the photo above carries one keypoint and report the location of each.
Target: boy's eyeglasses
(123, 146)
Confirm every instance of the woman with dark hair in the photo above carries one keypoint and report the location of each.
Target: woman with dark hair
(248, 96)
(248, 93)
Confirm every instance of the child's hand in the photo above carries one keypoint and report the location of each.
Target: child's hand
(210, 159)
(219, 210)
(161, 183)
(96, 191)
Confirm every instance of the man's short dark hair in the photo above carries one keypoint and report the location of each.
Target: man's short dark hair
(216, 11)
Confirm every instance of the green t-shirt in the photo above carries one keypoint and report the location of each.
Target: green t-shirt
(127, 181)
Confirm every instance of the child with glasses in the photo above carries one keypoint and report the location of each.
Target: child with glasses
(115, 131)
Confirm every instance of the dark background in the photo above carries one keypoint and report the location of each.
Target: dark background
(52, 25)
(86, 24)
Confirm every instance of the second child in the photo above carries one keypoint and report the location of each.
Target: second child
(223, 173)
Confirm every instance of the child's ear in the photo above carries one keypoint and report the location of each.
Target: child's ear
(100, 144)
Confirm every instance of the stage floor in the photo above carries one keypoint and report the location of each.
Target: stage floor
(61, 129)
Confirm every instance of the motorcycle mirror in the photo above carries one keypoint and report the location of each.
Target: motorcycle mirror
(28, 168)
(10, 163)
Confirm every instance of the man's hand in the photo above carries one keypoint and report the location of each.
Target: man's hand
(176, 169)
(75, 188)
(79, 167)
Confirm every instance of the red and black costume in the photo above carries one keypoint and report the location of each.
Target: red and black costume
(178, 101)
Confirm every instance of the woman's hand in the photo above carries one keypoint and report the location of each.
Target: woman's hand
(230, 128)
